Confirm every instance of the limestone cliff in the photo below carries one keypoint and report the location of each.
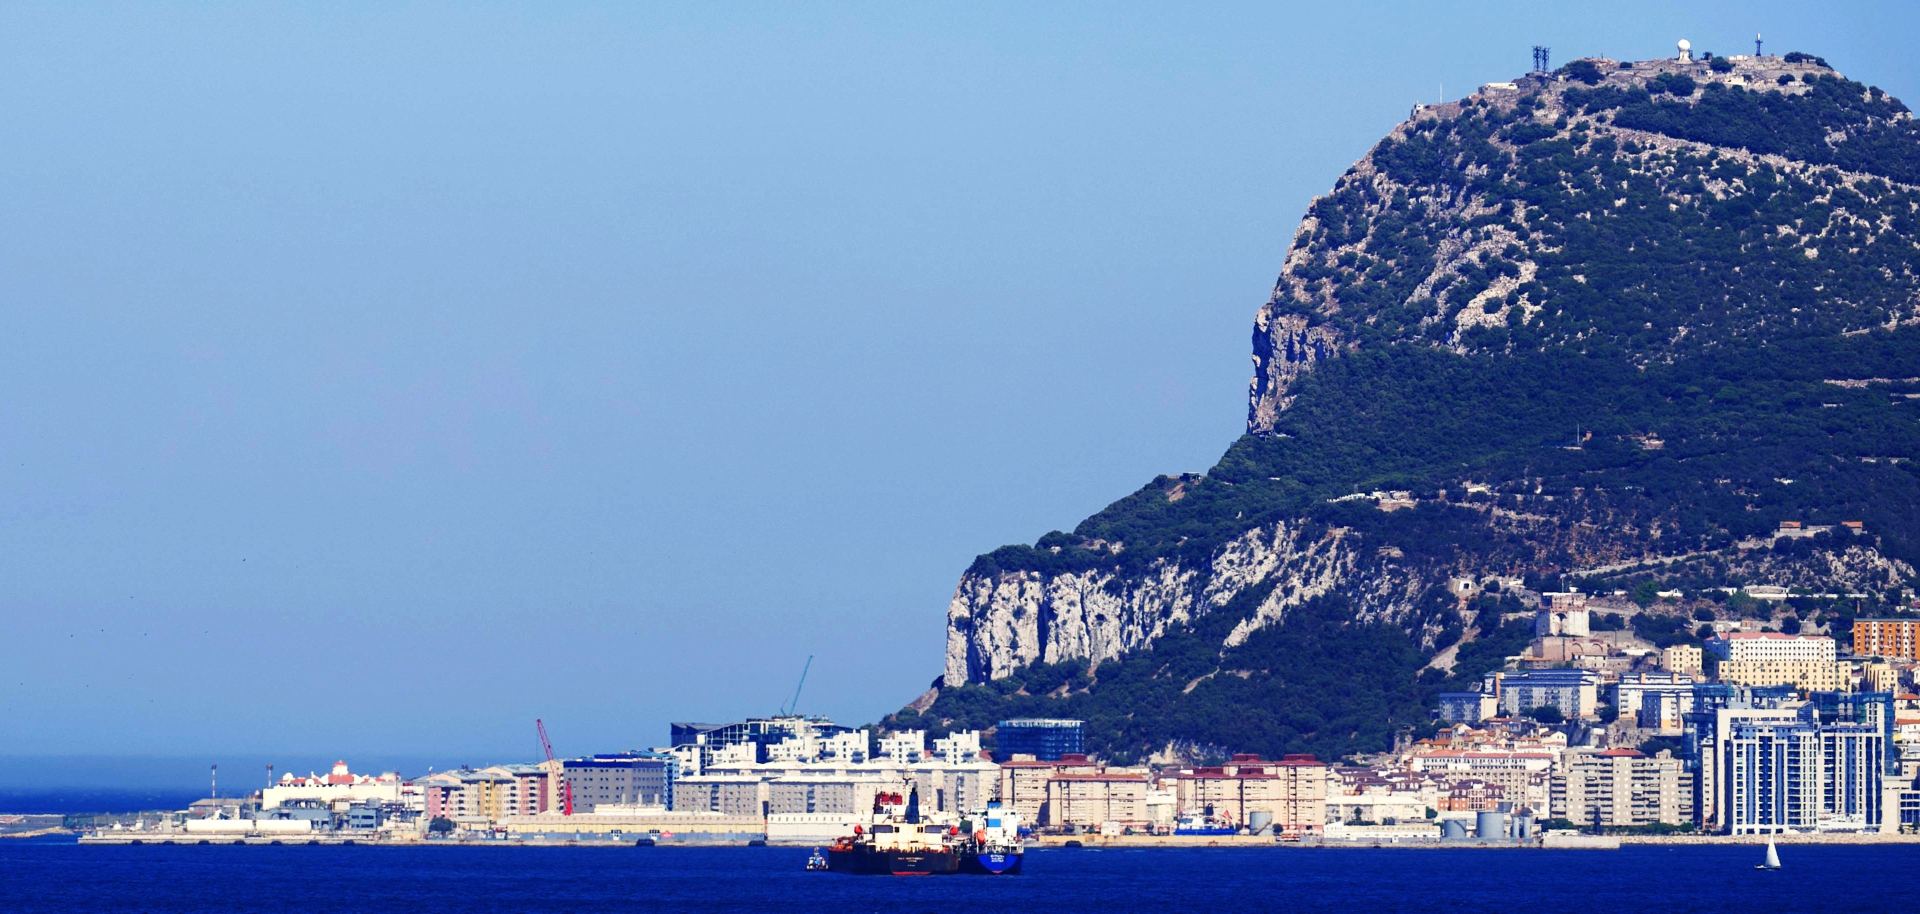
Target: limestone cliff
(1611, 324)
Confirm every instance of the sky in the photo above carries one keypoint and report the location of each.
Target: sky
(376, 378)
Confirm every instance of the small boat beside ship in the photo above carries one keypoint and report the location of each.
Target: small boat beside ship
(899, 841)
(1205, 824)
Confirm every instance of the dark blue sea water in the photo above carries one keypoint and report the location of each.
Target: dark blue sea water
(62, 876)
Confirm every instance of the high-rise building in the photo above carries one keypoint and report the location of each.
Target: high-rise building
(1792, 770)
(1853, 767)
(1873, 709)
(1716, 706)
(1772, 773)
(1045, 739)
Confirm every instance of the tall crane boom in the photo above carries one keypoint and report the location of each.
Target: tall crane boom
(566, 789)
(794, 705)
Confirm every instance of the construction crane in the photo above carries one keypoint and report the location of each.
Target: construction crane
(566, 789)
(787, 709)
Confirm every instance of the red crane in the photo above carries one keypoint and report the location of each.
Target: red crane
(566, 789)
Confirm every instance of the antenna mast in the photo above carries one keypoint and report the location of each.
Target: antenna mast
(1756, 44)
(1540, 55)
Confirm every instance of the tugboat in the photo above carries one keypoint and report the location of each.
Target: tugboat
(900, 843)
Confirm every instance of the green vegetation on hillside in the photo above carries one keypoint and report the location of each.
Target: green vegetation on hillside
(1288, 688)
(1418, 418)
(1659, 333)
(1875, 140)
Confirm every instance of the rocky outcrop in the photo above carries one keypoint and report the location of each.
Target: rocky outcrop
(1001, 621)
(1284, 347)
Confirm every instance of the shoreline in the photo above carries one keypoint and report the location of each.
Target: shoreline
(1046, 842)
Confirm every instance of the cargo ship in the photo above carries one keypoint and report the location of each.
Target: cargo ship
(899, 842)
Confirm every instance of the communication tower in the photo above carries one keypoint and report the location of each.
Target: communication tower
(1540, 52)
(1686, 51)
(1756, 44)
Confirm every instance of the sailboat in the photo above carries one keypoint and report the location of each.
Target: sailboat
(1773, 857)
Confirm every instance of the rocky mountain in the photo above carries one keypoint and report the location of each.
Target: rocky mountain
(1612, 324)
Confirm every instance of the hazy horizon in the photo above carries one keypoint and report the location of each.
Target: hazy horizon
(383, 379)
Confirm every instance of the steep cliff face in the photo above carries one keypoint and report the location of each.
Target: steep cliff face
(1284, 346)
(1611, 322)
(1000, 622)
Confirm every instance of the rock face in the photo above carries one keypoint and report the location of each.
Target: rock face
(1001, 622)
(1652, 216)
(1284, 347)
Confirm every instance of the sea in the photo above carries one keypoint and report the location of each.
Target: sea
(59, 875)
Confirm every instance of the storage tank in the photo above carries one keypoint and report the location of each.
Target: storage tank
(1260, 822)
(1490, 826)
(1522, 827)
(1453, 829)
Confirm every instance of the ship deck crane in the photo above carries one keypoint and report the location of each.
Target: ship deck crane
(566, 789)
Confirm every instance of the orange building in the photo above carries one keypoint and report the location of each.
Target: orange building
(1887, 638)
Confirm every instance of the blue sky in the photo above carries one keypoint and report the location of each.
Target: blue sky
(379, 379)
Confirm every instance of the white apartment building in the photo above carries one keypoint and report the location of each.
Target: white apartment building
(1771, 658)
(1619, 787)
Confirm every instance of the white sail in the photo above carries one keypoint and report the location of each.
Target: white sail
(1773, 856)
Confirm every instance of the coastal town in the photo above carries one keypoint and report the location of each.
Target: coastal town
(1593, 735)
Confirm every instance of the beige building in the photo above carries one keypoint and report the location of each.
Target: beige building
(1686, 659)
(1023, 784)
(1293, 790)
(1772, 658)
(1096, 800)
(1880, 677)
(1618, 787)
(1521, 777)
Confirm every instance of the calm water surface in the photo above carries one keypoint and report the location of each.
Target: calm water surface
(61, 876)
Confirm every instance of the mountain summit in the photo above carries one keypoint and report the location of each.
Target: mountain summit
(1612, 325)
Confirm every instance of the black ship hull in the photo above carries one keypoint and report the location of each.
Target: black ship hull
(866, 861)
